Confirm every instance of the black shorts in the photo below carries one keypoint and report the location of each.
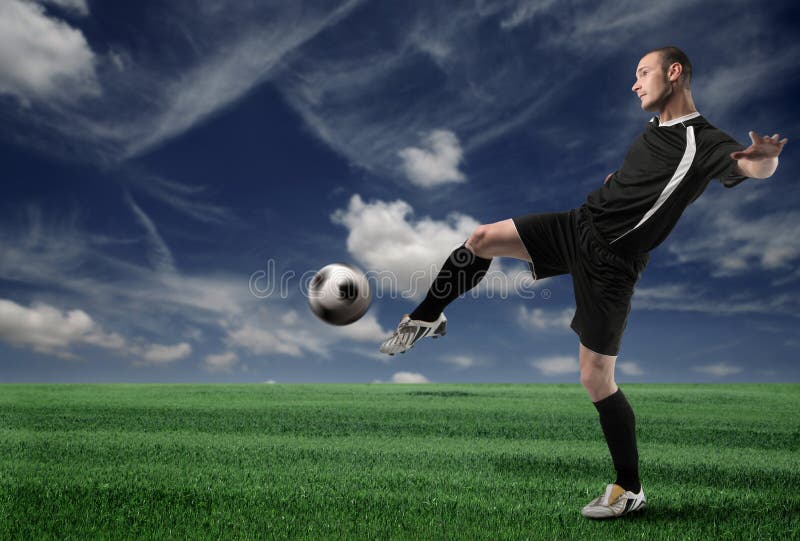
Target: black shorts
(603, 280)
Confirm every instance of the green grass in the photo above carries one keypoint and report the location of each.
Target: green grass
(390, 462)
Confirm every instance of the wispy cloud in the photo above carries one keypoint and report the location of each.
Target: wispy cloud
(685, 298)
(233, 68)
(735, 242)
(719, 370)
(357, 98)
(701, 352)
(160, 255)
(189, 199)
(727, 87)
(524, 12)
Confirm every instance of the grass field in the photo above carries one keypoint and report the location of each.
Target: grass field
(390, 462)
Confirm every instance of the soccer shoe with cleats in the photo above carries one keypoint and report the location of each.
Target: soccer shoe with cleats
(410, 331)
(615, 502)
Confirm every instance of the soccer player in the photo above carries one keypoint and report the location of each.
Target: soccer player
(605, 245)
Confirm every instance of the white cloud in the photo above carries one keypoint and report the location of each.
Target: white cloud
(366, 329)
(163, 354)
(268, 333)
(558, 365)
(50, 253)
(373, 354)
(630, 368)
(409, 377)
(546, 320)
(719, 370)
(402, 255)
(463, 361)
(271, 329)
(382, 238)
(47, 329)
(436, 163)
(221, 362)
(263, 340)
(42, 58)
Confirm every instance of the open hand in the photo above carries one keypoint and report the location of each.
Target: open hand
(761, 149)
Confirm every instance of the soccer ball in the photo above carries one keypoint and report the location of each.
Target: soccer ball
(339, 294)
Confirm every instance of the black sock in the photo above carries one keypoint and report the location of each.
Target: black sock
(461, 272)
(619, 428)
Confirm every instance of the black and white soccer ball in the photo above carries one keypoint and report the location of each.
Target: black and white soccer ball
(339, 294)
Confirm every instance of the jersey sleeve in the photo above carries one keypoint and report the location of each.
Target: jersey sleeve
(715, 149)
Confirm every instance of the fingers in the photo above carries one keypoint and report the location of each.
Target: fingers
(774, 140)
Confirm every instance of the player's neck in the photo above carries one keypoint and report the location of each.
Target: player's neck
(680, 104)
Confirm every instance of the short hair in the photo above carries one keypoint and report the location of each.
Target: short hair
(671, 55)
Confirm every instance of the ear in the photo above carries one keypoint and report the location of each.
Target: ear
(675, 71)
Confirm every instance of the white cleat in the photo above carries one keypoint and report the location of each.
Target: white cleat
(410, 331)
(615, 502)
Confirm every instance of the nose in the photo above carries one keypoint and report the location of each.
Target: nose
(636, 87)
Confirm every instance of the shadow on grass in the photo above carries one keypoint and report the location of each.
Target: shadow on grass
(664, 513)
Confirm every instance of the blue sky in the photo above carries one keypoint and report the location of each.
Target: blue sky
(168, 165)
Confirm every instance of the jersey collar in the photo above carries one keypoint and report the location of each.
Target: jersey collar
(674, 121)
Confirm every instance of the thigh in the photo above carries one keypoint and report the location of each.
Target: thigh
(549, 239)
(500, 239)
(602, 305)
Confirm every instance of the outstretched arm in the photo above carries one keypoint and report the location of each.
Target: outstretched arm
(759, 160)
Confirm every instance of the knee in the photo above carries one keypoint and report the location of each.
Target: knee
(588, 379)
(478, 239)
(595, 376)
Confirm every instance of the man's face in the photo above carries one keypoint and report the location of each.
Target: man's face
(651, 86)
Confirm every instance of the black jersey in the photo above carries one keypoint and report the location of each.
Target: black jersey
(664, 171)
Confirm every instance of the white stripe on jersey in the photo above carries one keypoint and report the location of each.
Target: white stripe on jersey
(677, 178)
